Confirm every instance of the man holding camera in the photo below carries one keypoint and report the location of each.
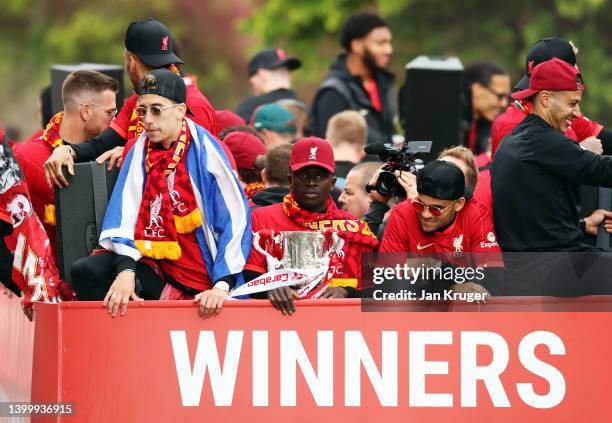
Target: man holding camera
(308, 206)
(441, 220)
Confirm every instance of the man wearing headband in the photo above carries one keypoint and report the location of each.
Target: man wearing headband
(168, 223)
(442, 220)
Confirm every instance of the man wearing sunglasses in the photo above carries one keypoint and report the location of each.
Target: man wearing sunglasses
(89, 99)
(168, 223)
(148, 45)
(488, 92)
(440, 219)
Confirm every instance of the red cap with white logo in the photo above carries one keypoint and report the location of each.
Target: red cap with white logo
(312, 151)
(552, 75)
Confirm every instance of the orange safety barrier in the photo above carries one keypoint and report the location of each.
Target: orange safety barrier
(330, 361)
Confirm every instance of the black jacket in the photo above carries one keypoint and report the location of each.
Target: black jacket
(247, 106)
(343, 91)
(269, 196)
(535, 178)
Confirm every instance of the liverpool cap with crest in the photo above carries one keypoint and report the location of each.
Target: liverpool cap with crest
(312, 151)
(152, 42)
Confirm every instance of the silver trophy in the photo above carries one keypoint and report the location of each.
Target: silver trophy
(304, 250)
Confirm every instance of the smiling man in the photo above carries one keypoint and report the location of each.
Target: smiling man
(168, 230)
(308, 206)
(359, 80)
(441, 220)
(537, 169)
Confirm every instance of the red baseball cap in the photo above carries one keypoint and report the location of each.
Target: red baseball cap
(312, 151)
(227, 118)
(553, 75)
(245, 148)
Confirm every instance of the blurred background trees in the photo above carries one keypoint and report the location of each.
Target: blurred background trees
(217, 37)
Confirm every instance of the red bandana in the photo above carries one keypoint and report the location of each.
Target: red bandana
(51, 137)
(168, 205)
(252, 188)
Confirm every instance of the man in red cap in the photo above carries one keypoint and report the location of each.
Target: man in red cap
(250, 155)
(591, 135)
(537, 169)
(581, 130)
(148, 46)
(308, 206)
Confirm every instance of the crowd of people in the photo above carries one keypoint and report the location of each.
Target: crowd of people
(196, 183)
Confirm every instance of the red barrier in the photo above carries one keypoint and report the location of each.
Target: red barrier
(16, 347)
(329, 361)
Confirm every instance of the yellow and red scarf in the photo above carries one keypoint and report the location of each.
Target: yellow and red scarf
(168, 205)
(51, 137)
(252, 188)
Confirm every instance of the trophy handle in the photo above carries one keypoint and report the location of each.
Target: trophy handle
(334, 242)
(272, 261)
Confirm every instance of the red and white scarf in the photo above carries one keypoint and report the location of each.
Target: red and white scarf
(168, 205)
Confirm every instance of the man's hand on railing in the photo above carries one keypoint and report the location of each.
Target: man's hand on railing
(120, 292)
(335, 292)
(211, 302)
(282, 299)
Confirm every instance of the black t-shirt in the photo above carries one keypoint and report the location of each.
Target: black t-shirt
(246, 108)
(535, 177)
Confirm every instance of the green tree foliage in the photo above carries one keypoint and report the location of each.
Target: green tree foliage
(469, 29)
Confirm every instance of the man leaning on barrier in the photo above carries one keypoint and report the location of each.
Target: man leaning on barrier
(168, 224)
(440, 219)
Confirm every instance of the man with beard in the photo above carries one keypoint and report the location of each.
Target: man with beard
(440, 219)
(358, 79)
(89, 106)
(488, 87)
(308, 206)
(148, 46)
(537, 168)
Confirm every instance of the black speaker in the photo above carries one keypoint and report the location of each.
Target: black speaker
(79, 211)
(431, 102)
(60, 72)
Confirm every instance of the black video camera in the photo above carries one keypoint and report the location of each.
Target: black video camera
(397, 159)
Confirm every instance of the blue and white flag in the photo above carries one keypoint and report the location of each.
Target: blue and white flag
(225, 235)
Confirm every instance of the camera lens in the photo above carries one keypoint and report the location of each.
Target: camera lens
(386, 183)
